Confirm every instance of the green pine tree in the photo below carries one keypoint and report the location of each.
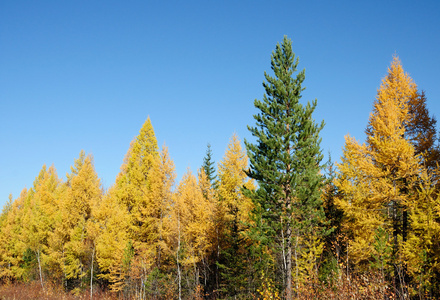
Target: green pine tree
(334, 240)
(285, 162)
(208, 166)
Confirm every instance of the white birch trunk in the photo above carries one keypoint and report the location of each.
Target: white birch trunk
(39, 267)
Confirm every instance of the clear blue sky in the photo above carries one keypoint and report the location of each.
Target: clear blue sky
(86, 74)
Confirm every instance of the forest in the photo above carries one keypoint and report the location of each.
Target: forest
(271, 220)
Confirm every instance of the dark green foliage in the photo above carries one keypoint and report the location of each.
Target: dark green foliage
(334, 245)
(128, 257)
(29, 265)
(383, 250)
(126, 265)
(234, 263)
(208, 166)
(285, 160)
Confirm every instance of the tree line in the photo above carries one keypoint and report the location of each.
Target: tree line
(272, 221)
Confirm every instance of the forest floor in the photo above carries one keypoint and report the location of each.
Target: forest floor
(371, 287)
(34, 291)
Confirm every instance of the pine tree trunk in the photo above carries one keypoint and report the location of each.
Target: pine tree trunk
(289, 261)
(283, 247)
(296, 262)
(289, 233)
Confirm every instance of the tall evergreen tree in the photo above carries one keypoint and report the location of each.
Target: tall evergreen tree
(208, 166)
(334, 243)
(285, 162)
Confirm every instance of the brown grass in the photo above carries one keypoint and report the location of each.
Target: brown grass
(34, 291)
(353, 288)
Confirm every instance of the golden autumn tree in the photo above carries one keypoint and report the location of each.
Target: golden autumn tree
(5, 237)
(6, 209)
(422, 248)
(232, 178)
(12, 244)
(192, 216)
(157, 206)
(82, 195)
(113, 241)
(377, 179)
(133, 179)
(57, 239)
(233, 210)
(38, 218)
(143, 190)
(132, 189)
(114, 223)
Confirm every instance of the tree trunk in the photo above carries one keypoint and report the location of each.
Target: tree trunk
(289, 259)
(217, 279)
(405, 237)
(177, 258)
(395, 245)
(283, 247)
(289, 234)
(39, 267)
(91, 274)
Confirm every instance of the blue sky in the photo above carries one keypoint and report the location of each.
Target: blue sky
(86, 74)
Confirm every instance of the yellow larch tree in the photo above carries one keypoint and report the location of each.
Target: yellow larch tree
(233, 209)
(377, 179)
(143, 190)
(132, 188)
(422, 248)
(82, 194)
(12, 244)
(5, 235)
(38, 217)
(57, 239)
(112, 241)
(156, 236)
(160, 197)
(134, 176)
(210, 270)
(232, 178)
(192, 216)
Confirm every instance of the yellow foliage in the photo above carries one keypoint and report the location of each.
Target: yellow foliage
(12, 245)
(194, 213)
(268, 290)
(374, 178)
(143, 194)
(232, 178)
(422, 249)
(113, 220)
